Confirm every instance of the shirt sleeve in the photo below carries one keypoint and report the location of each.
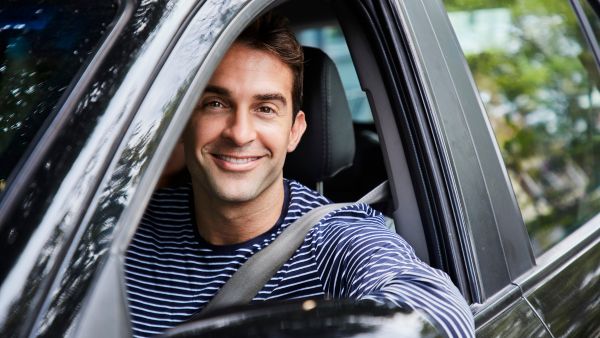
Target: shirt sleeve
(361, 259)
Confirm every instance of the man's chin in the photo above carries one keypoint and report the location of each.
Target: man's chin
(236, 196)
(234, 191)
(237, 188)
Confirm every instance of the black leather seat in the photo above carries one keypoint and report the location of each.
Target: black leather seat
(327, 146)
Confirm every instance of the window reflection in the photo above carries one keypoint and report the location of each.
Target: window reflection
(540, 90)
(42, 46)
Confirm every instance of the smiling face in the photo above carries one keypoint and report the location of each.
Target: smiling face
(239, 134)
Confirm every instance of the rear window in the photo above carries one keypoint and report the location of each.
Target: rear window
(43, 46)
(331, 40)
(540, 85)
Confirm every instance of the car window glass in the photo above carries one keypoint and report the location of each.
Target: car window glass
(42, 47)
(539, 83)
(331, 40)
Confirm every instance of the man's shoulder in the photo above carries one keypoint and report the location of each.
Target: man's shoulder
(357, 219)
(352, 215)
(357, 230)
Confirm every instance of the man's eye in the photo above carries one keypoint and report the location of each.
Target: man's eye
(214, 104)
(266, 110)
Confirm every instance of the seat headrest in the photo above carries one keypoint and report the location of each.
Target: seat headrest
(328, 143)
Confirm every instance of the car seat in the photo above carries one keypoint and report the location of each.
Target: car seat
(328, 145)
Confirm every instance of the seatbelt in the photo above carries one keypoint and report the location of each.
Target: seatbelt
(252, 276)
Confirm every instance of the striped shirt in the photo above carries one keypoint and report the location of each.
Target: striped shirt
(172, 273)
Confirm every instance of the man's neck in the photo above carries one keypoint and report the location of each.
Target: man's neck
(225, 223)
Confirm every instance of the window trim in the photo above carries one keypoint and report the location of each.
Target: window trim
(584, 238)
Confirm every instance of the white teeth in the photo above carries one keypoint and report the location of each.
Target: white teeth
(236, 160)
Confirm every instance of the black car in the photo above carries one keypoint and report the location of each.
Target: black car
(483, 116)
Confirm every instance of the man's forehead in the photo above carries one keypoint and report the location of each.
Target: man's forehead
(242, 56)
(252, 71)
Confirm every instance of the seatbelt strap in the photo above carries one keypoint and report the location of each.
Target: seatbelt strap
(258, 269)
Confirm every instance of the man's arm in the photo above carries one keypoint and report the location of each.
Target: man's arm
(360, 259)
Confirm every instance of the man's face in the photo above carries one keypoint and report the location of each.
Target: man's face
(241, 130)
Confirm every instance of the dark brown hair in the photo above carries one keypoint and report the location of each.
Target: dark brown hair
(271, 33)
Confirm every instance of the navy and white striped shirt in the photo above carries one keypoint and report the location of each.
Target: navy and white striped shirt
(171, 272)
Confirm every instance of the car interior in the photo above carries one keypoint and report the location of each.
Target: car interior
(353, 140)
(372, 128)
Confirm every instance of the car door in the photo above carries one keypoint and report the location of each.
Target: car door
(87, 296)
(516, 289)
(548, 143)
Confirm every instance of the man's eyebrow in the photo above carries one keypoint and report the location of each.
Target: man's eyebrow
(217, 90)
(271, 97)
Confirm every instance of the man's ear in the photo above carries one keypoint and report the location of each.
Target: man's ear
(298, 128)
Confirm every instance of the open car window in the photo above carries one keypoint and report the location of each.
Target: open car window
(157, 127)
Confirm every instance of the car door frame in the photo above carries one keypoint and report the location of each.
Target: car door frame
(204, 30)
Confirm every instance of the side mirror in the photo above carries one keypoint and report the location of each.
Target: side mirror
(311, 318)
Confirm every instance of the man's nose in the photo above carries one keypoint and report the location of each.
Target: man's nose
(240, 128)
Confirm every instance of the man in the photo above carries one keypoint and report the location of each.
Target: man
(192, 238)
